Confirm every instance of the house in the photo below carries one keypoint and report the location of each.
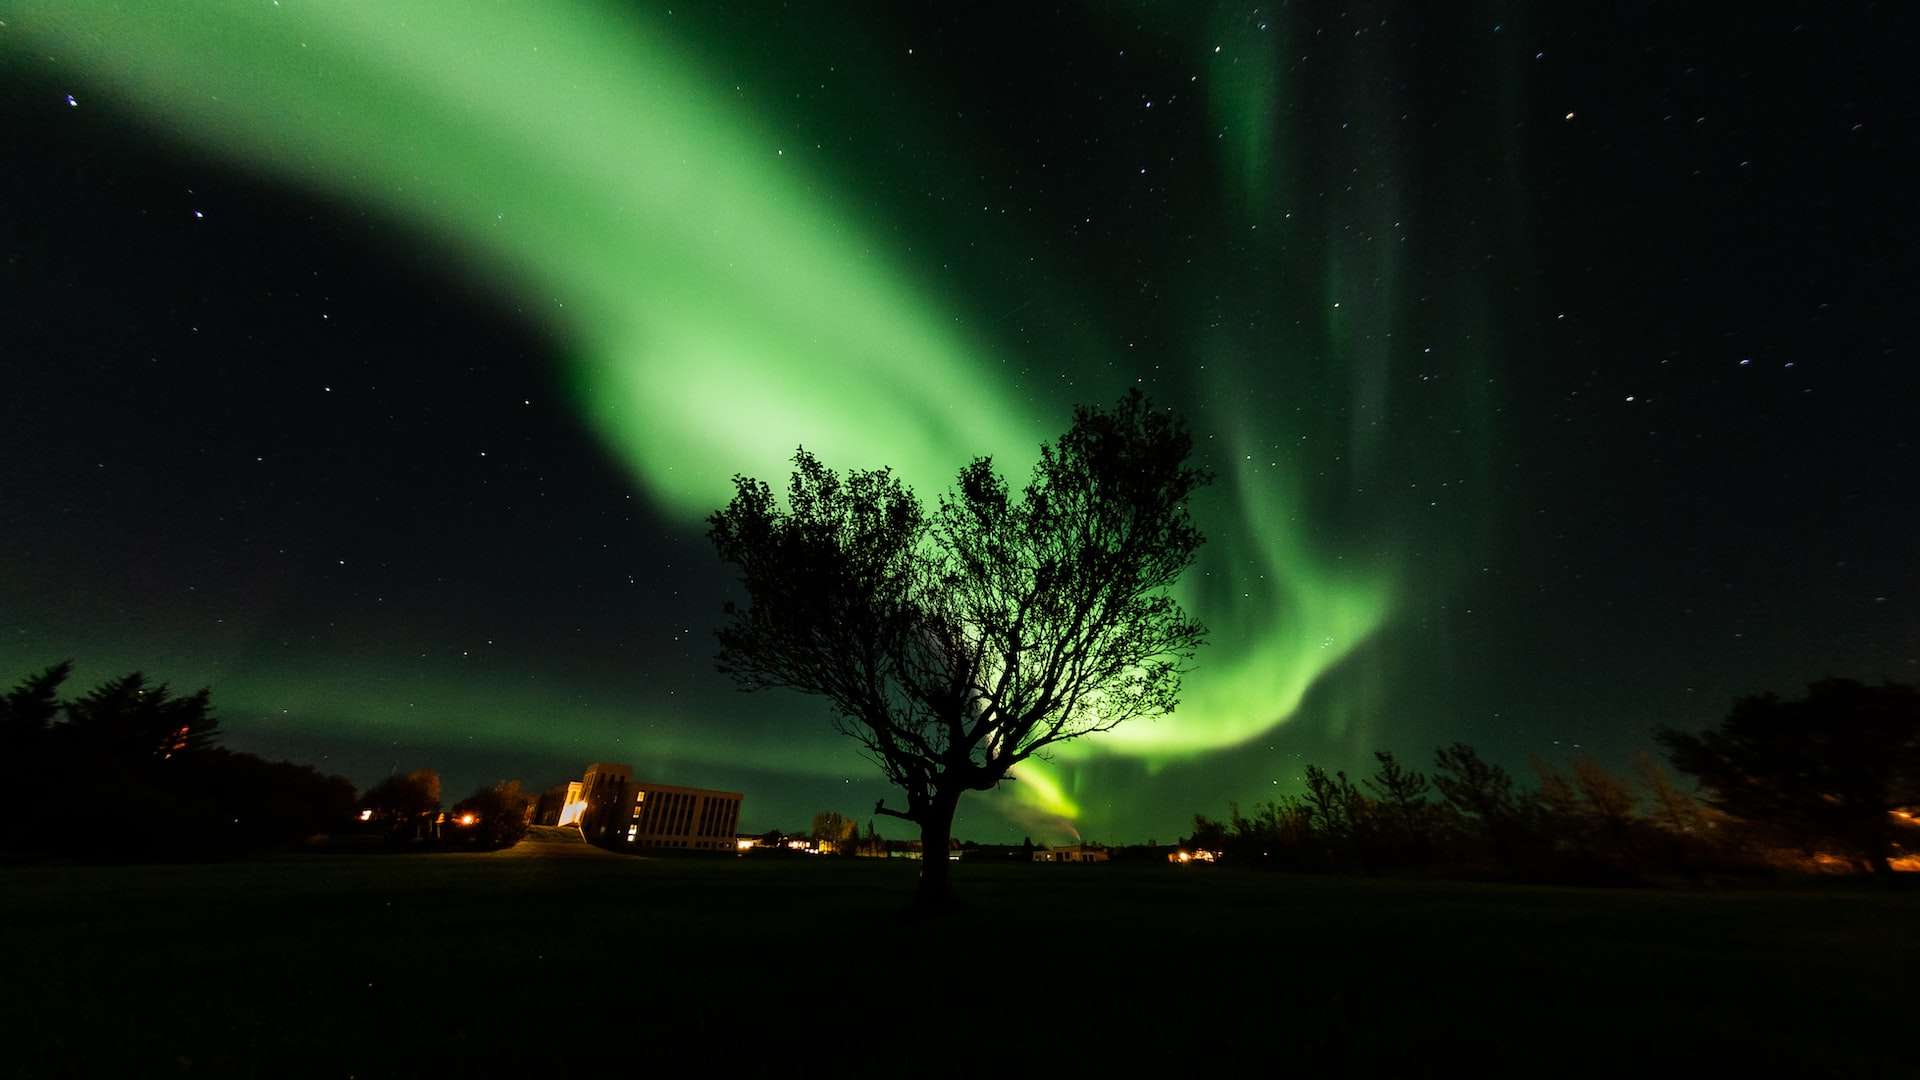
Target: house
(1071, 853)
(612, 809)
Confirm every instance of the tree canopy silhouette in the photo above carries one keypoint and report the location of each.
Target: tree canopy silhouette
(1827, 770)
(956, 645)
(28, 711)
(405, 805)
(492, 817)
(125, 717)
(1485, 792)
(128, 770)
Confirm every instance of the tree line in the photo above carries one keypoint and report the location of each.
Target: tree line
(1832, 779)
(953, 644)
(1467, 816)
(133, 770)
(406, 809)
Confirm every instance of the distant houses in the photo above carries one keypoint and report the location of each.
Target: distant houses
(613, 809)
(780, 843)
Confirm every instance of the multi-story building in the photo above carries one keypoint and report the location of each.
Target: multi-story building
(612, 808)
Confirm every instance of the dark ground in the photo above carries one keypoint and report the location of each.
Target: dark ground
(446, 965)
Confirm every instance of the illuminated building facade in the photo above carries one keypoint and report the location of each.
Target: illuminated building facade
(612, 808)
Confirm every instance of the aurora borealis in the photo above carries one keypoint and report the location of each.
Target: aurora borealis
(377, 364)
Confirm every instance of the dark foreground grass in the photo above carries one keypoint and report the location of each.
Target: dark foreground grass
(461, 965)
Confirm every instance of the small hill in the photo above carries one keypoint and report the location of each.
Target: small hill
(555, 842)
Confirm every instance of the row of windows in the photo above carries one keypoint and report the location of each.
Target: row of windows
(706, 845)
(670, 813)
(674, 813)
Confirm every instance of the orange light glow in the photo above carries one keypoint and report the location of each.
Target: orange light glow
(466, 819)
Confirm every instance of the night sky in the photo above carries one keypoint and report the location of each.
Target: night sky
(376, 365)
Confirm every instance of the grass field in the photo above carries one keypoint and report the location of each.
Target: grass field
(473, 965)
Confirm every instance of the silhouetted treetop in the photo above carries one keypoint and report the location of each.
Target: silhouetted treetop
(956, 645)
(29, 709)
(127, 718)
(168, 790)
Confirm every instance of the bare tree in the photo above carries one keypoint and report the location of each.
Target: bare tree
(1675, 811)
(957, 645)
(1611, 803)
(1485, 793)
(1403, 796)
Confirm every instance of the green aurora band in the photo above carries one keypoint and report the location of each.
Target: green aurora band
(719, 306)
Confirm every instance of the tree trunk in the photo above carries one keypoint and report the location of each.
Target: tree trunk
(936, 836)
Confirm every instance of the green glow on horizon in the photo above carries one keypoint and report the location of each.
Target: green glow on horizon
(719, 304)
(452, 707)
